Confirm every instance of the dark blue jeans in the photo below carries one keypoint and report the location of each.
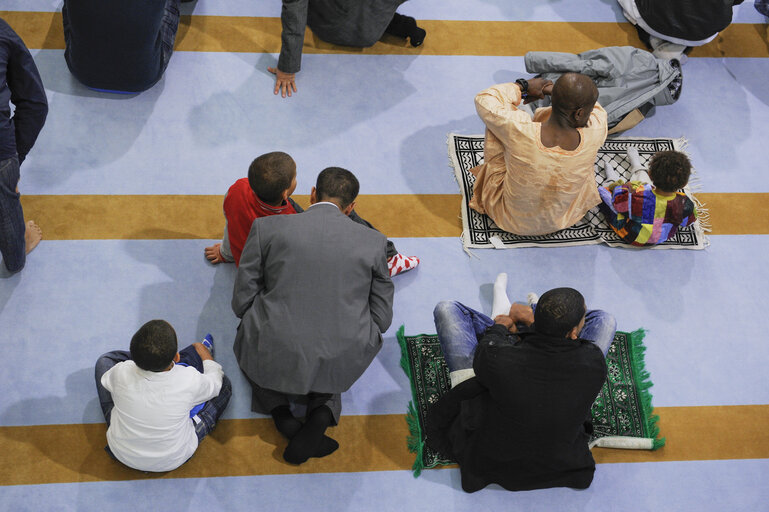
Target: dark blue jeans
(460, 327)
(12, 227)
(205, 418)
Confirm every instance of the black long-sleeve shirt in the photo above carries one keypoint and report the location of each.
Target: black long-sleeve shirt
(21, 85)
(520, 422)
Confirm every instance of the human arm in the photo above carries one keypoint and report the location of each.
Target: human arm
(380, 298)
(249, 280)
(293, 18)
(518, 314)
(203, 352)
(689, 212)
(209, 383)
(27, 95)
(497, 106)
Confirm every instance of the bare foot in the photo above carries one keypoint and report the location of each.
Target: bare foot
(214, 255)
(32, 236)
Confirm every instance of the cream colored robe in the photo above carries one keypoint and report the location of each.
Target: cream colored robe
(525, 187)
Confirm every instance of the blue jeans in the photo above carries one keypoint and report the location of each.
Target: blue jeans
(12, 227)
(205, 419)
(460, 327)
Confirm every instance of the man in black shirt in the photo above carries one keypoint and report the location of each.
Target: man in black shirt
(119, 46)
(21, 85)
(519, 419)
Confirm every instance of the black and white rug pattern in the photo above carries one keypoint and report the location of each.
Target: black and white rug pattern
(480, 232)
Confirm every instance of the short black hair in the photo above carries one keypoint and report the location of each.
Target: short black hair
(337, 183)
(153, 347)
(670, 170)
(270, 175)
(559, 311)
(572, 91)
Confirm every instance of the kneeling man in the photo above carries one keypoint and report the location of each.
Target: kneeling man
(314, 295)
(521, 417)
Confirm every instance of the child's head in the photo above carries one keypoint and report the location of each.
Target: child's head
(272, 177)
(153, 347)
(670, 170)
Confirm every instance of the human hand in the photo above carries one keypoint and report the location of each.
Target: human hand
(536, 89)
(521, 314)
(284, 82)
(214, 254)
(203, 352)
(506, 321)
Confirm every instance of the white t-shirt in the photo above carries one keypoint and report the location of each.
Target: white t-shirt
(150, 426)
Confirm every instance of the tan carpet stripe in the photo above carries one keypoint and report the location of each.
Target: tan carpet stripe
(75, 453)
(157, 217)
(503, 38)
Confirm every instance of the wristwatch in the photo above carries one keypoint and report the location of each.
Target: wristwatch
(524, 86)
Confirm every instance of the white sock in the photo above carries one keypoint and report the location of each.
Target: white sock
(500, 304)
(635, 160)
(641, 175)
(459, 376)
(609, 170)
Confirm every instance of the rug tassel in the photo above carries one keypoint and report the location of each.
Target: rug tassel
(637, 351)
(414, 439)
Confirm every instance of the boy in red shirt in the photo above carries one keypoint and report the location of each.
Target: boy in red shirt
(267, 191)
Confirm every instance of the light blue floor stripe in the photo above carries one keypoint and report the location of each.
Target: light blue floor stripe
(702, 485)
(494, 10)
(384, 117)
(76, 300)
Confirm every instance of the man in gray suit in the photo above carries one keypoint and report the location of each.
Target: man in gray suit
(314, 296)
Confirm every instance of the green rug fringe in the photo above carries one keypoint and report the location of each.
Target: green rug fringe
(414, 439)
(637, 352)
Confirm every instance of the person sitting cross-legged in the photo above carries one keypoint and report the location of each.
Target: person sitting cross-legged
(159, 404)
(649, 209)
(537, 176)
(522, 388)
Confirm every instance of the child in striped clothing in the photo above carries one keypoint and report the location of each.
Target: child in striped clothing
(649, 208)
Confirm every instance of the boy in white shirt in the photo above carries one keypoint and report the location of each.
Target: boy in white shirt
(160, 403)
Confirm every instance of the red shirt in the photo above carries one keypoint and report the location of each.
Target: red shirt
(241, 208)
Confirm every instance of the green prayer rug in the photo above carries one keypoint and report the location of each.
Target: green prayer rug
(622, 411)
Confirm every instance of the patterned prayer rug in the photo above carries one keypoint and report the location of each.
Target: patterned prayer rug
(480, 232)
(622, 411)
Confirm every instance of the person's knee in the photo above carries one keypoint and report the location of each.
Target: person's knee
(606, 319)
(445, 308)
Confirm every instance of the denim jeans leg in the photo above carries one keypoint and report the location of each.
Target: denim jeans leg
(168, 29)
(12, 227)
(206, 419)
(459, 328)
(103, 364)
(599, 328)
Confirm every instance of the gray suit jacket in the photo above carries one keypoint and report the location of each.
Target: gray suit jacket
(314, 295)
(346, 22)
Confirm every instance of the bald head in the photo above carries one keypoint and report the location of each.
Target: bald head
(574, 90)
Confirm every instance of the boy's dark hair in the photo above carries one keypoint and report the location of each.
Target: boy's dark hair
(670, 170)
(270, 175)
(153, 347)
(559, 311)
(339, 184)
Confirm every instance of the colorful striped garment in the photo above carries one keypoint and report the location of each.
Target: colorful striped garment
(642, 216)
